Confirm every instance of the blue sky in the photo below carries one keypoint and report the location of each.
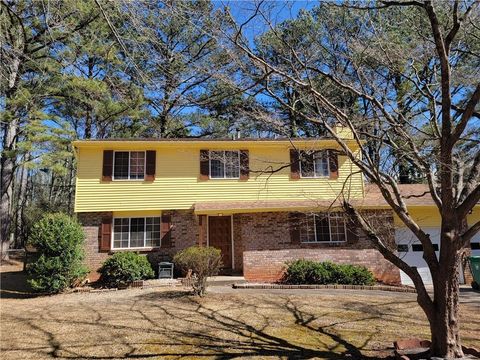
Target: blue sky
(278, 11)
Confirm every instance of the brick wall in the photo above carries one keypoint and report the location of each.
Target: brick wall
(184, 233)
(263, 246)
(269, 265)
(467, 272)
(94, 258)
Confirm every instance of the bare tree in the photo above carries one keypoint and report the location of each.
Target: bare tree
(395, 55)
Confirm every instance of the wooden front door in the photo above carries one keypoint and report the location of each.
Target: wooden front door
(220, 237)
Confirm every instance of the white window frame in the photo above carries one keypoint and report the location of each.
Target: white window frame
(224, 163)
(129, 152)
(129, 231)
(315, 216)
(315, 176)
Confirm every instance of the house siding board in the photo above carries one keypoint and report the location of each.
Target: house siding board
(177, 184)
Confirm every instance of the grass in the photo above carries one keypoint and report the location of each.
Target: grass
(170, 324)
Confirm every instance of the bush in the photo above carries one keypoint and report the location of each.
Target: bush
(475, 285)
(312, 272)
(202, 261)
(58, 264)
(124, 267)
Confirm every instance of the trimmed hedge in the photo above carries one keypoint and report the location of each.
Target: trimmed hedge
(124, 267)
(312, 272)
(58, 262)
(202, 261)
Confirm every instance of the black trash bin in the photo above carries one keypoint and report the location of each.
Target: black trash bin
(165, 270)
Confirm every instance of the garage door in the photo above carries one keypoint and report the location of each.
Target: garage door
(476, 245)
(410, 250)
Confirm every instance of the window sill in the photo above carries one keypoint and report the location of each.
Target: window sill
(236, 178)
(315, 177)
(135, 249)
(323, 242)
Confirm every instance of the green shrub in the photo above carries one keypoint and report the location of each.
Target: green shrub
(58, 264)
(124, 267)
(312, 272)
(202, 261)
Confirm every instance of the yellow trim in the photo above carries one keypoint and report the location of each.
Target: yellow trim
(141, 213)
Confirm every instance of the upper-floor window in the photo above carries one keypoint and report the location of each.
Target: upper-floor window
(129, 165)
(324, 228)
(314, 164)
(142, 232)
(224, 164)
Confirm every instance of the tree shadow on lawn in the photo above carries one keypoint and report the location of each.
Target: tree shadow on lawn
(193, 327)
(13, 285)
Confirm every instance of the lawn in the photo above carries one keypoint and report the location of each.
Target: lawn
(170, 324)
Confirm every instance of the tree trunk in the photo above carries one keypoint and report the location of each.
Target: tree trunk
(7, 164)
(444, 319)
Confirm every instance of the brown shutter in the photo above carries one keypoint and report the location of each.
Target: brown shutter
(333, 163)
(204, 165)
(294, 224)
(244, 165)
(107, 165)
(151, 158)
(294, 164)
(166, 231)
(106, 234)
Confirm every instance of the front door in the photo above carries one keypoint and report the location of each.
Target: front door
(220, 237)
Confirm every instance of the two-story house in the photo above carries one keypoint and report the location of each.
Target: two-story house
(263, 202)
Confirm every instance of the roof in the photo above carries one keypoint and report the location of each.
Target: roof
(204, 139)
(414, 195)
(193, 141)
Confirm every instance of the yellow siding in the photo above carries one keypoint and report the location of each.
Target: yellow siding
(428, 216)
(177, 184)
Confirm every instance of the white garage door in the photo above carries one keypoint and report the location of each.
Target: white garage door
(476, 245)
(411, 251)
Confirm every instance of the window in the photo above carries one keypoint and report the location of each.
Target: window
(314, 164)
(402, 248)
(136, 232)
(323, 228)
(129, 165)
(224, 164)
(417, 247)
